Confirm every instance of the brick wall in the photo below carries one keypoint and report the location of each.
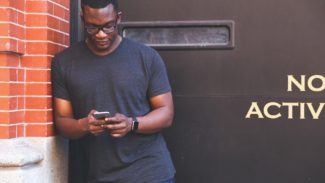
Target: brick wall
(31, 32)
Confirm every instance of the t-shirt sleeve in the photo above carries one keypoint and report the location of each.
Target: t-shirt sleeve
(158, 83)
(59, 89)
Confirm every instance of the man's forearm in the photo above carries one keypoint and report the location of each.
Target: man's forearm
(71, 128)
(156, 120)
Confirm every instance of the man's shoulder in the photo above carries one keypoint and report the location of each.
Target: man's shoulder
(71, 51)
(138, 46)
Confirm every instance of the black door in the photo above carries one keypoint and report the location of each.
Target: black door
(213, 138)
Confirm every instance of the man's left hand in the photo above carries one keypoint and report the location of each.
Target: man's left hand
(119, 125)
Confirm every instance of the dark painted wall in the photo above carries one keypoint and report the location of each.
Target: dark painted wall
(211, 141)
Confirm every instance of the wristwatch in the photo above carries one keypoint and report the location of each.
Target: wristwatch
(135, 124)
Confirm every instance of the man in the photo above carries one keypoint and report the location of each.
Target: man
(111, 73)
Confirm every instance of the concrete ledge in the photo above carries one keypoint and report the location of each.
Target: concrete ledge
(34, 160)
(18, 153)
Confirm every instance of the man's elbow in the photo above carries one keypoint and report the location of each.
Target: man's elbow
(169, 120)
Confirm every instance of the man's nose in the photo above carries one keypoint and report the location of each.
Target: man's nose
(101, 34)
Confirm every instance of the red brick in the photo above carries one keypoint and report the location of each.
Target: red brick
(42, 48)
(36, 61)
(21, 19)
(20, 89)
(33, 130)
(21, 103)
(64, 27)
(13, 16)
(13, 45)
(67, 15)
(7, 74)
(9, 60)
(38, 116)
(13, 103)
(38, 89)
(10, 103)
(4, 29)
(17, 117)
(38, 102)
(18, 4)
(37, 34)
(59, 11)
(13, 131)
(37, 20)
(4, 132)
(8, 45)
(38, 75)
(54, 23)
(4, 103)
(5, 14)
(36, 48)
(7, 132)
(16, 31)
(58, 37)
(17, 89)
(11, 89)
(12, 117)
(5, 89)
(21, 47)
(21, 130)
(21, 75)
(4, 118)
(5, 3)
(5, 44)
(39, 7)
(65, 3)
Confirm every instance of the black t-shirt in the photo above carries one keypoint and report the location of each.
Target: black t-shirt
(122, 82)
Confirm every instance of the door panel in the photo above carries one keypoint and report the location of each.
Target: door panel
(211, 140)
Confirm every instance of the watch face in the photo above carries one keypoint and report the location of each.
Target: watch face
(135, 124)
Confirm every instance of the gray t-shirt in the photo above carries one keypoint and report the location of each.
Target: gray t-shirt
(122, 82)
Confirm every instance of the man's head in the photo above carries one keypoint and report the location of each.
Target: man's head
(100, 19)
(97, 4)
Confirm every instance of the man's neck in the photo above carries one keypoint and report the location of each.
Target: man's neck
(112, 48)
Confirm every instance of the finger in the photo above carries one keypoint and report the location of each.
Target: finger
(115, 126)
(97, 122)
(117, 135)
(92, 112)
(91, 116)
(114, 120)
(97, 130)
(95, 127)
(120, 131)
(117, 118)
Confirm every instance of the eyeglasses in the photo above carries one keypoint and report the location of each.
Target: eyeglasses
(107, 28)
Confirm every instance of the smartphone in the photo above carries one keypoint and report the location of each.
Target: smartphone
(102, 115)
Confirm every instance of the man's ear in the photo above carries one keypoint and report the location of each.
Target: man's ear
(119, 17)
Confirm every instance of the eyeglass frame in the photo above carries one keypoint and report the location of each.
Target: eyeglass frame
(101, 28)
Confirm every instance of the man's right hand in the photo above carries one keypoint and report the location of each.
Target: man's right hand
(90, 124)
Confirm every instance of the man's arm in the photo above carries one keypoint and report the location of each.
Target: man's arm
(70, 127)
(160, 117)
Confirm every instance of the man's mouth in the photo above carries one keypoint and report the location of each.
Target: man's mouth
(102, 42)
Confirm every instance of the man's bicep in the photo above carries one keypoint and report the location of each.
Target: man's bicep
(162, 100)
(62, 108)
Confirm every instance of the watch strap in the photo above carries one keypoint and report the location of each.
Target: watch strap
(135, 124)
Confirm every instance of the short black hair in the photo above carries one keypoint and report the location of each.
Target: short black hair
(97, 4)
